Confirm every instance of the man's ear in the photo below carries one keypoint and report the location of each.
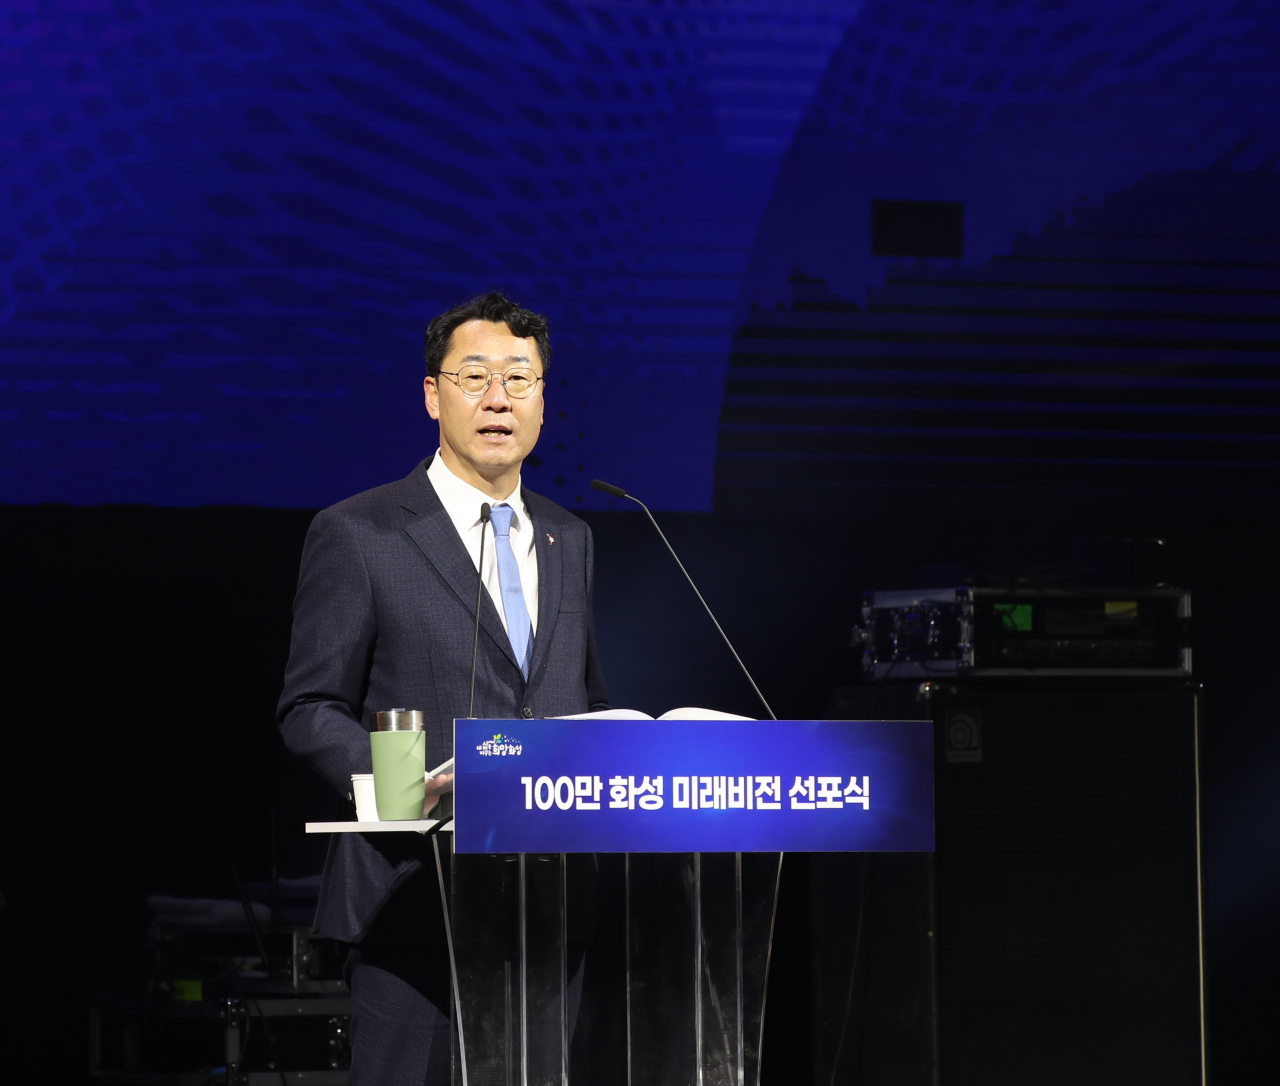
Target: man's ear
(431, 394)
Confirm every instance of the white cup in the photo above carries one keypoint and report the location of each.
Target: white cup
(366, 799)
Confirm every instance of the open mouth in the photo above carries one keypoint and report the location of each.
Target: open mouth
(494, 433)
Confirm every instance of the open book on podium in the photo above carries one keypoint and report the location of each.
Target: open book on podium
(684, 713)
(681, 713)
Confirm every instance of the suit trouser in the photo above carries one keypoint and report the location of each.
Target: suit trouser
(400, 1025)
(399, 980)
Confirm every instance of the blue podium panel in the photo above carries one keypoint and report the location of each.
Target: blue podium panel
(549, 786)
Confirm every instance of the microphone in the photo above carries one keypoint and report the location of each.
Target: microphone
(475, 635)
(618, 492)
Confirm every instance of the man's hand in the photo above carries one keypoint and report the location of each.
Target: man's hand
(435, 788)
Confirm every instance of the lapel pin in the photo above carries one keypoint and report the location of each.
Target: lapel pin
(550, 539)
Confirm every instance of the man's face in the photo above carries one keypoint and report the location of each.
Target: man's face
(493, 433)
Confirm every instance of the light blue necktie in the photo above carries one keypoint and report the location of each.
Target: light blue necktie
(519, 628)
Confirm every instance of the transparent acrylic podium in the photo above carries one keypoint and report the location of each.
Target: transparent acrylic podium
(639, 970)
(621, 962)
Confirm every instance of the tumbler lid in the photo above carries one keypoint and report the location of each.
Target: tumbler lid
(400, 720)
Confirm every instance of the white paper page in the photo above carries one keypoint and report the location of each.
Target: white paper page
(700, 714)
(607, 714)
(443, 767)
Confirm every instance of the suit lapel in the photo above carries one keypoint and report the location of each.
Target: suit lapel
(434, 533)
(550, 577)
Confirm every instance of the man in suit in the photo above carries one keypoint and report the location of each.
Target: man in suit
(383, 619)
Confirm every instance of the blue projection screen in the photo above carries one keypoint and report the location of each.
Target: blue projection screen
(224, 227)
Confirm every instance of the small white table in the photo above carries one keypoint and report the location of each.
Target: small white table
(408, 825)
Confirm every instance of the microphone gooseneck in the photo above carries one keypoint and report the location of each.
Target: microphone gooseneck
(618, 492)
(475, 634)
(609, 488)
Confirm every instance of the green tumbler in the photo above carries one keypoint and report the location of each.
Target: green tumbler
(399, 764)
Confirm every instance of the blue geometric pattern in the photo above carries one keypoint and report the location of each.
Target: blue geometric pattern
(225, 226)
(1098, 358)
(229, 225)
(1111, 329)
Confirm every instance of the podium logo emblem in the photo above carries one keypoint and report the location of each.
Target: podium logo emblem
(500, 746)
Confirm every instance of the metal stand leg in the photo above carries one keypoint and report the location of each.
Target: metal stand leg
(453, 961)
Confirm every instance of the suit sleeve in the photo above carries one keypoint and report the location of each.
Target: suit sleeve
(597, 691)
(334, 631)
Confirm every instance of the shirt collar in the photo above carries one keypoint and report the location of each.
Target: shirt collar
(462, 501)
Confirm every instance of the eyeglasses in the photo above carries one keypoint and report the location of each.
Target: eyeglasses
(518, 382)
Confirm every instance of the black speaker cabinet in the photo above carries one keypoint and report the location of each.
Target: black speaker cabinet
(1068, 893)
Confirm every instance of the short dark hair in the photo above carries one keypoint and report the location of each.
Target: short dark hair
(487, 307)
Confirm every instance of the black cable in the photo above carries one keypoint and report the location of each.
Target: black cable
(267, 961)
(853, 969)
(271, 1039)
(275, 881)
(233, 1072)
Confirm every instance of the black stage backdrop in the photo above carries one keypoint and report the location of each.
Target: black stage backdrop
(146, 646)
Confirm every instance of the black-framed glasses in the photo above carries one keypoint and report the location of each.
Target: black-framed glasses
(518, 382)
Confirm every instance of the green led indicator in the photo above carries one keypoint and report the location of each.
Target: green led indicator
(1014, 617)
(188, 991)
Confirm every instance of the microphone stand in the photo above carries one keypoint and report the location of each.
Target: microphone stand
(485, 513)
(618, 492)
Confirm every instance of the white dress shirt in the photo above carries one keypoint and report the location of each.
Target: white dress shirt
(462, 502)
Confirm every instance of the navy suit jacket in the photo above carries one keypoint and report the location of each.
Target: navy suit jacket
(383, 619)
